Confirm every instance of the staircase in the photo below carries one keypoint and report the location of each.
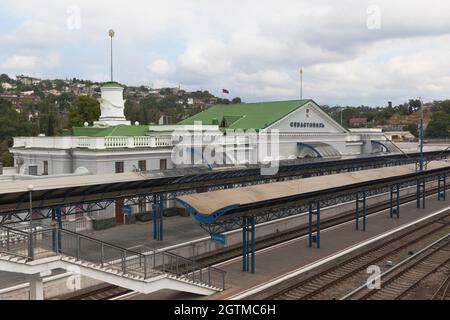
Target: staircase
(106, 262)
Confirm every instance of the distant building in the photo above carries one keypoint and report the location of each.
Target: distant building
(27, 80)
(7, 86)
(391, 127)
(400, 136)
(358, 120)
(54, 92)
(164, 120)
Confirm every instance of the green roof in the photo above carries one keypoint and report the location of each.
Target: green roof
(112, 84)
(117, 131)
(246, 115)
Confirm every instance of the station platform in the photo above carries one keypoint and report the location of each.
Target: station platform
(281, 260)
(177, 230)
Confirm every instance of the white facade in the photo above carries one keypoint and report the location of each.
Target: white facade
(112, 106)
(308, 125)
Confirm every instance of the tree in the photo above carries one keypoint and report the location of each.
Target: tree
(413, 129)
(5, 78)
(442, 106)
(414, 105)
(439, 126)
(84, 109)
(236, 100)
(13, 125)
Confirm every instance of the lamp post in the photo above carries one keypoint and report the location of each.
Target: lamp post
(111, 34)
(30, 242)
(30, 190)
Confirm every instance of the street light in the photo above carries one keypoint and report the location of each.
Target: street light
(342, 110)
(30, 242)
(111, 34)
(30, 190)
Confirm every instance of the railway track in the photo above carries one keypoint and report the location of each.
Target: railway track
(443, 291)
(336, 281)
(399, 281)
(99, 292)
(266, 242)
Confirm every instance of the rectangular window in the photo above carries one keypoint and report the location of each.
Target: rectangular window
(45, 172)
(162, 164)
(119, 167)
(142, 165)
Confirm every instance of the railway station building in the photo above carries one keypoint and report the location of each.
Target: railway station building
(114, 145)
(290, 129)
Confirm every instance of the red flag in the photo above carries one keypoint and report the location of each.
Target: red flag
(225, 91)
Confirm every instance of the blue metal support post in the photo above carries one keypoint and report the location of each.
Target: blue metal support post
(161, 217)
(421, 193)
(158, 215)
(54, 237)
(421, 164)
(442, 189)
(253, 244)
(56, 233)
(244, 244)
(248, 244)
(314, 209)
(395, 193)
(361, 200)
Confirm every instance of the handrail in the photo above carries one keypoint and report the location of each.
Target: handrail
(14, 230)
(93, 239)
(126, 260)
(202, 266)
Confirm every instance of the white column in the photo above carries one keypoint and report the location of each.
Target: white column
(36, 287)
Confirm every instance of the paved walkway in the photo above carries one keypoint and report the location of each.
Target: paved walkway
(176, 230)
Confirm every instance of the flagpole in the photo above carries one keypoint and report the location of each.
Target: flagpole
(301, 84)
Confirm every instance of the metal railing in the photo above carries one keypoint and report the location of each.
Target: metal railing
(15, 242)
(51, 241)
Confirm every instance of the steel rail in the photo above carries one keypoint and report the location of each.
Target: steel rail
(397, 266)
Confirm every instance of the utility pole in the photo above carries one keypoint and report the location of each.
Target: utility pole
(111, 34)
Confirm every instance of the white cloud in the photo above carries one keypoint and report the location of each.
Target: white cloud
(161, 67)
(31, 63)
(253, 48)
(20, 62)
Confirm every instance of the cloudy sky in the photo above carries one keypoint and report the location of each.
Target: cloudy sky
(352, 51)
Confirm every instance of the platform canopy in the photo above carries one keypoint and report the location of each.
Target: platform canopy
(209, 206)
(317, 149)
